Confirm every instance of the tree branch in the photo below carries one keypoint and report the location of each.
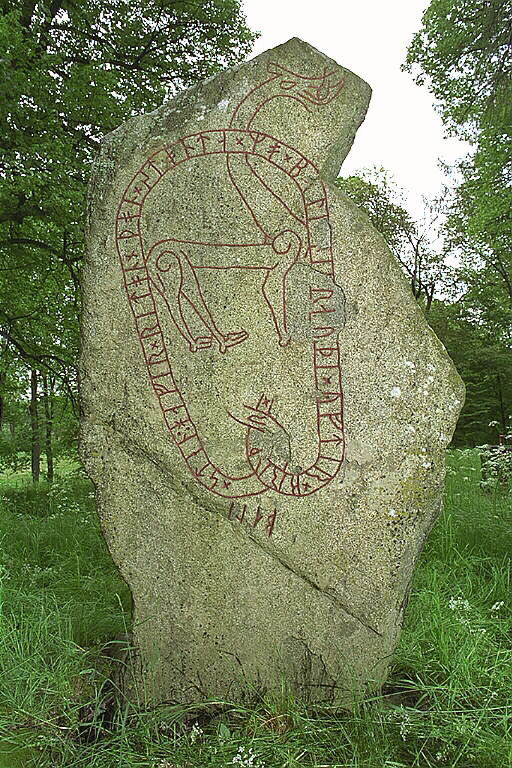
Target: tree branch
(29, 241)
(43, 359)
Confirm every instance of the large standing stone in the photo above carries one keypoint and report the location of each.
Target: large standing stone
(267, 524)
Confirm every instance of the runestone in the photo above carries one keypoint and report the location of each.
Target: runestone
(265, 410)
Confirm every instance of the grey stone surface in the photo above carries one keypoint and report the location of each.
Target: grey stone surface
(265, 410)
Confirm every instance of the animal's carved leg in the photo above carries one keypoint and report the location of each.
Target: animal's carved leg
(167, 277)
(286, 247)
(191, 289)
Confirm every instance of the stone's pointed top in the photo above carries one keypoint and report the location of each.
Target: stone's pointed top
(308, 46)
(298, 42)
(312, 103)
(335, 99)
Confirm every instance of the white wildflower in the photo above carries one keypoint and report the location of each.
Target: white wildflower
(405, 725)
(458, 604)
(246, 758)
(196, 732)
(396, 392)
(498, 605)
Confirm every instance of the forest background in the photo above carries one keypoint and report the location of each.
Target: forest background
(74, 71)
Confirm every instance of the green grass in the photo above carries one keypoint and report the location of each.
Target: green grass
(22, 478)
(447, 702)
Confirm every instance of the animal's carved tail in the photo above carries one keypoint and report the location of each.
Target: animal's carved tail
(287, 245)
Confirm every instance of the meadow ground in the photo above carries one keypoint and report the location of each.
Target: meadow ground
(448, 701)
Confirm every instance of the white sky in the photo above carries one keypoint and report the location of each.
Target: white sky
(401, 132)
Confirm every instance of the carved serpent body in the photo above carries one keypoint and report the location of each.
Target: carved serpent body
(169, 270)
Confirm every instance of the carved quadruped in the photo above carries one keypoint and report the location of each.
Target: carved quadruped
(171, 269)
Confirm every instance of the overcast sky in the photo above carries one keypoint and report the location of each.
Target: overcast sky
(402, 131)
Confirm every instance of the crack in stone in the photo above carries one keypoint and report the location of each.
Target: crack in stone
(327, 593)
(269, 549)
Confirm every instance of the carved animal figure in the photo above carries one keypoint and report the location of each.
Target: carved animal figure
(171, 268)
(173, 264)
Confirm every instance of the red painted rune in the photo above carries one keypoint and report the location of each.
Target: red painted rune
(168, 274)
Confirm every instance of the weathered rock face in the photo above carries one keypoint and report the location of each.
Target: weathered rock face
(265, 408)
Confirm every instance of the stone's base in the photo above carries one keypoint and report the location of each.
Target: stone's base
(265, 408)
(225, 616)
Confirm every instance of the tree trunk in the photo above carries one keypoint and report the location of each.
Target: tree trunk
(503, 414)
(429, 294)
(48, 420)
(34, 426)
(2, 401)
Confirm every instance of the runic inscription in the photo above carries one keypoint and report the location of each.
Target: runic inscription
(169, 272)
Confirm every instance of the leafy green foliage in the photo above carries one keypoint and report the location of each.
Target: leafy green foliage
(463, 52)
(72, 72)
(15, 426)
(480, 232)
(485, 365)
(412, 243)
